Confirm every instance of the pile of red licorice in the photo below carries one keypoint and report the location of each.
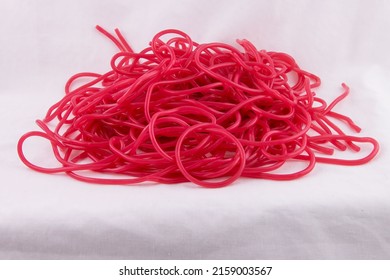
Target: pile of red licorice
(181, 111)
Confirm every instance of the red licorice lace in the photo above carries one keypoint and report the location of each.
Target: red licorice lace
(181, 111)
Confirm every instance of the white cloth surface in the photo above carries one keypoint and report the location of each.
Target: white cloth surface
(335, 212)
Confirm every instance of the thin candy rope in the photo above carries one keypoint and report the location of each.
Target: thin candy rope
(181, 111)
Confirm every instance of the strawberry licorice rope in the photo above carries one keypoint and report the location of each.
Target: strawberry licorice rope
(181, 111)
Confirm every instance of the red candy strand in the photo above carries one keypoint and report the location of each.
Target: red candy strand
(181, 111)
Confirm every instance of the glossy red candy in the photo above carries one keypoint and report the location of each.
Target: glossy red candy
(181, 111)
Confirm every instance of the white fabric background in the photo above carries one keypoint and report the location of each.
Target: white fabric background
(335, 212)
